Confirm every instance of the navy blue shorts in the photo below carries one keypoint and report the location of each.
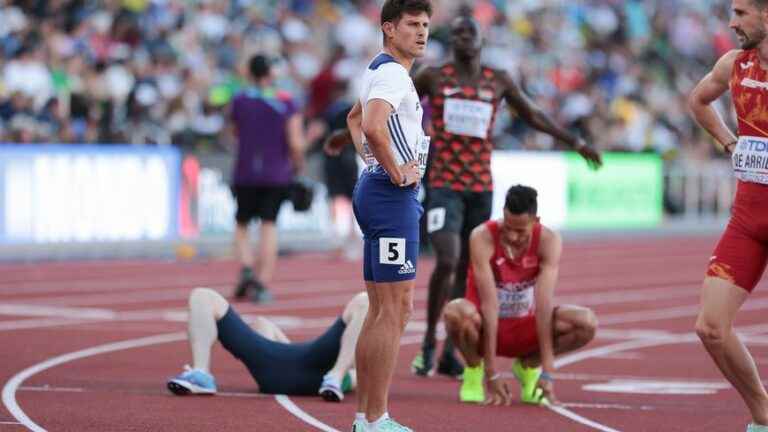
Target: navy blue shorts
(389, 219)
(277, 367)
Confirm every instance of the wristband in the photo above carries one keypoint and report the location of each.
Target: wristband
(546, 377)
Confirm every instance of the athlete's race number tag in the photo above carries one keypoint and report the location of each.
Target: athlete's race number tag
(368, 157)
(435, 219)
(422, 154)
(750, 159)
(466, 117)
(392, 250)
(516, 299)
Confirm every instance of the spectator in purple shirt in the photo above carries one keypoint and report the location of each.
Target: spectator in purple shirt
(270, 147)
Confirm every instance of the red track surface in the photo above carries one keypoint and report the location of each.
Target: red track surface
(645, 293)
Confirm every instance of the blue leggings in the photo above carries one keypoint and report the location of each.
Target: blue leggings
(277, 367)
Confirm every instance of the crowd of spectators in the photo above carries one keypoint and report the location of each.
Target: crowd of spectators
(161, 72)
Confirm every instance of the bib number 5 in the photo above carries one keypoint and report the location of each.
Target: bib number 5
(392, 250)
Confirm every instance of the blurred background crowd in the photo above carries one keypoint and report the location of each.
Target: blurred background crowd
(161, 72)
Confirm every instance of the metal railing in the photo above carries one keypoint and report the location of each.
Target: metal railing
(701, 190)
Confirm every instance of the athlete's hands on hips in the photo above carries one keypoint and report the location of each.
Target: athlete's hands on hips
(498, 392)
(730, 146)
(410, 171)
(336, 142)
(592, 156)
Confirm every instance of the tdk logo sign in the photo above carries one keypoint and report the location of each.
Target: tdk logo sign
(754, 145)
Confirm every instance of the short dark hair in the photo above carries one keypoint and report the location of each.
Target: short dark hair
(393, 10)
(521, 199)
(259, 66)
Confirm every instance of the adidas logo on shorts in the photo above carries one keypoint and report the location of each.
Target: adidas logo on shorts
(407, 268)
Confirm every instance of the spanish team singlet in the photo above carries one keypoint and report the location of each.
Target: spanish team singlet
(749, 89)
(515, 278)
(741, 255)
(463, 117)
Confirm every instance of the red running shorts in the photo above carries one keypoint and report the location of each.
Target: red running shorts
(742, 252)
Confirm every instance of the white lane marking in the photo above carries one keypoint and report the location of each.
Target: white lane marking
(294, 409)
(628, 296)
(627, 355)
(47, 388)
(10, 388)
(656, 387)
(669, 313)
(55, 311)
(596, 377)
(565, 412)
(38, 323)
(610, 406)
(578, 356)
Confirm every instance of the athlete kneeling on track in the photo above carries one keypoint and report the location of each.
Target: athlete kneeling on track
(508, 308)
(319, 366)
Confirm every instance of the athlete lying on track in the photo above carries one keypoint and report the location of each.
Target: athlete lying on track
(319, 366)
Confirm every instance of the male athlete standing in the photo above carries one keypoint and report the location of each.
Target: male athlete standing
(386, 126)
(465, 95)
(741, 255)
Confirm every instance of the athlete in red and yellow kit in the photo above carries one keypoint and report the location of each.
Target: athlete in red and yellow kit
(741, 255)
(464, 95)
(508, 310)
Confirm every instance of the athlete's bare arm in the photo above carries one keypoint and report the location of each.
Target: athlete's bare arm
(533, 115)
(711, 87)
(549, 253)
(481, 246)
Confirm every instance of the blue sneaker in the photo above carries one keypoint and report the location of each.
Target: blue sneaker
(192, 381)
(756, 428)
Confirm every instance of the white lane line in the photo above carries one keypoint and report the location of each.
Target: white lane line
(669, 313)
(579, 419)
(55, 311)
(13, 384)
(578, 356)
(47, 388)
(620, 407)
(38, 323)
(10, 388)
(292, 408)
(628, 296)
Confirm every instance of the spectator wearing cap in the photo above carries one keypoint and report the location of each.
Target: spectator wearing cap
(270, 146)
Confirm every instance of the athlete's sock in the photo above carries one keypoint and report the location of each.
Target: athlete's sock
(360, 416)
(335, 376)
